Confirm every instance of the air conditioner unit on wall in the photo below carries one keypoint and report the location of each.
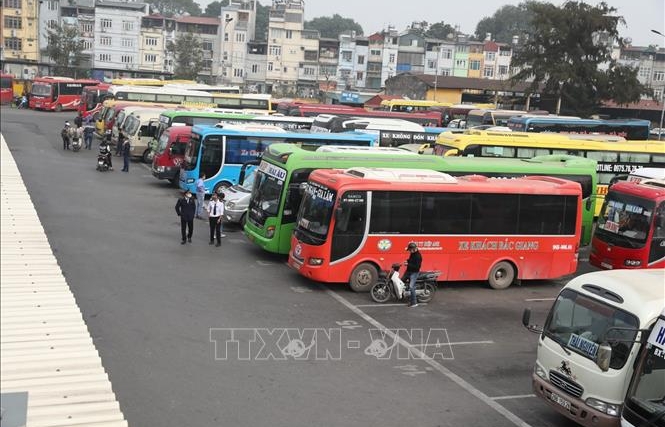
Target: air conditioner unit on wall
(18, 11)
(13, 33)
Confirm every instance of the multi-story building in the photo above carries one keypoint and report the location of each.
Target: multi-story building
(475, 63)
(328, 60)
(20, 39)
(360, 62)
(207, 31)
(308, 69)
(255, 67)
(347, 54)
(285, 46)
(157, 33)
(505, 54)
(650, 62)
(389, 55)
(375, 61)
(81, 15)
(49, 19)
(411, 53)
(117, 35)
(445, 58)
(238, 21)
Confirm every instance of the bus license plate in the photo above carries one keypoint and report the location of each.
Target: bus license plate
(606, 265)
(559, 400)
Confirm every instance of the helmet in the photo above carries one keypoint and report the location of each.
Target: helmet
(411, 245)
(66, 123)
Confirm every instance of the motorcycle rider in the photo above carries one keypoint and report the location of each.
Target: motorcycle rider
(105, 150)
(413, 270)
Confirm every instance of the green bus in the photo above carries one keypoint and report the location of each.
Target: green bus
(284, 168)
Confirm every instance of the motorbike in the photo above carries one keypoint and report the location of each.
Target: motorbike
(391, 285)
(77, 143)
(103, 159)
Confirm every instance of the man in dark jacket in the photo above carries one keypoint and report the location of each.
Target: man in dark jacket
(412, 270)
(186, 209)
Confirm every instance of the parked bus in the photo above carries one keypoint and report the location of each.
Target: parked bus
(192, 98)
(271, 228)
(140, 127)
(490, 117)
(410, 105)
(458, 112)
(644, 405)
(615, 156)
(631, 227)
(92, 99)
(6, 88)
(428, 118)
(588, 345)
(630, 129)
(170, 152)
(58, 93)
(354, 223)
(112, 110)
(204, 88)
(220, 152)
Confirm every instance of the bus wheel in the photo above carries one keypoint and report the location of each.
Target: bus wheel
(243, 220)
(174, 180)
(363, 277)
(220, 186)
(502, 275)
(146, 156)
(58, 108)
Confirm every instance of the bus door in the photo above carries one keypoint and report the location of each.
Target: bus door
(657, 248)
(55, 92)
(350, 225)
(212, 155)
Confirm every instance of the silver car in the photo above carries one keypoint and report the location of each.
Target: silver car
(236, 199)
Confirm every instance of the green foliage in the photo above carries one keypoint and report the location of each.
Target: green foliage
(564, 55)
(214, 9)
(508, 21)
(65, 49)
(332, 27)
(439, 30)
(188, 56)
(176, 7)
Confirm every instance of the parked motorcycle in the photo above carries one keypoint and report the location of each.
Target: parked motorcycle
(391, 285)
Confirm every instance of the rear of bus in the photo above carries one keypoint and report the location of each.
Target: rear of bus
(92, 98)
(630, 232)
(573, 374)
(170, 152)
(6, 88)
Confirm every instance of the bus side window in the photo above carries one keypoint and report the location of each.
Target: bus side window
(659, 222)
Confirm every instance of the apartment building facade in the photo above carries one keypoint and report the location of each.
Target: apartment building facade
(238, 27)
(285, 45)
(19, 33)
(117, 36)
(157, 33)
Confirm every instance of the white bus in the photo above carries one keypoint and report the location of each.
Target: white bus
(588, 346)
(204, 88)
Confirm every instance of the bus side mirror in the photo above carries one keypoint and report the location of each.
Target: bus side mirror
(588, 203)
(603, 357)
(301, 188)
(526, 322)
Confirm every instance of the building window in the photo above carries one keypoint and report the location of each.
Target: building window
(431, 64)
(460, 63)
(14, 4)
(13, 43)
(289, 34)
(347, 56)
(237, 72)
(461, 48)
(361, 59)
(127, 59)
(13, 22)
(658, 95)
(644, 72)
(106, 23)
(53, 5)
(488, 72)
(504, 52)
(270, 67)
(52, 24)
(474, 65)
(240, 37)
(255, 68)
(309, 71)
(87, 27)
(226, 37)
(127, 42)
(207, 64)
(207, 46)
(127, 25)
(503, 70)
(105, 41)
(105, 57)
(275, 50)
(446, 53)
(277, 33)
(151, 41)
(150, 57)
(375, 52)
(391, 58)
(490, 56)
(360, 75)
(658, 76)
(445, 72)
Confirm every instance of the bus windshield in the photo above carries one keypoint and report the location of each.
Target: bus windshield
(581, 324)
(314, 217)
(41, 89)
(624, 219)
(647, 389)
(192, 153)
(266, 193)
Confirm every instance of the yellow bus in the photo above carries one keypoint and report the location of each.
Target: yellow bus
(148, 82)
(410, 105)
(615, 155)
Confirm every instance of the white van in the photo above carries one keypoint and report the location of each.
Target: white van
(140, 128)
(589, 343)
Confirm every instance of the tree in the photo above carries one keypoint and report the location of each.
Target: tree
(332, 27)
(188, 56)
(176, 7)
(65, 49)
(439, 30)
(508, 21)
(262, 18)
(214, 9)
(565, 55)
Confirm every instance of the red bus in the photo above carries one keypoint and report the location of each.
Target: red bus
(170, 152)
(631, 227)
(354, 223)
(92, 99)
(6, 88)
(57, 93)
(426, 118)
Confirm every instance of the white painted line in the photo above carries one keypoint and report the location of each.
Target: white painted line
(454, 343)
(265, 263)
(434, 364)
(540, 299)
(382, 305)
(517, 396)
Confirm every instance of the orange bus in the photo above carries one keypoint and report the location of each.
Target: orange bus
(58, 93)
(354, 223)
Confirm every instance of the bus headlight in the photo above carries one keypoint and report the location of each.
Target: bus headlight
(160, 168)
(270, 232)
(604, 407)
(540, 372)
(632, 263)
(315, 261)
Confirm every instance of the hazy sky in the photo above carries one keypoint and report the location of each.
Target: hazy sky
(641, 15)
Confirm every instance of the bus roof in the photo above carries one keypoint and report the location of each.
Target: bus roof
(653, 189)
(414, 102)
(155, 90)
(577, 120)
(640, 291)
(649, 173)
(171, 113)
(205, 130)
(57, 79)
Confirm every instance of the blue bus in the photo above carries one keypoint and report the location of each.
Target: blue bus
(219, 153)
(630, 129)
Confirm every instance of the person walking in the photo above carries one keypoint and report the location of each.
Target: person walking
(215, 215)
(78, 121)
(185, 208)
(88, 130)
(200, 195)
(125, 155)
(64, 133)
(413, 270)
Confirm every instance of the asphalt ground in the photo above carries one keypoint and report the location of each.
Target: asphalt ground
(196, 335)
